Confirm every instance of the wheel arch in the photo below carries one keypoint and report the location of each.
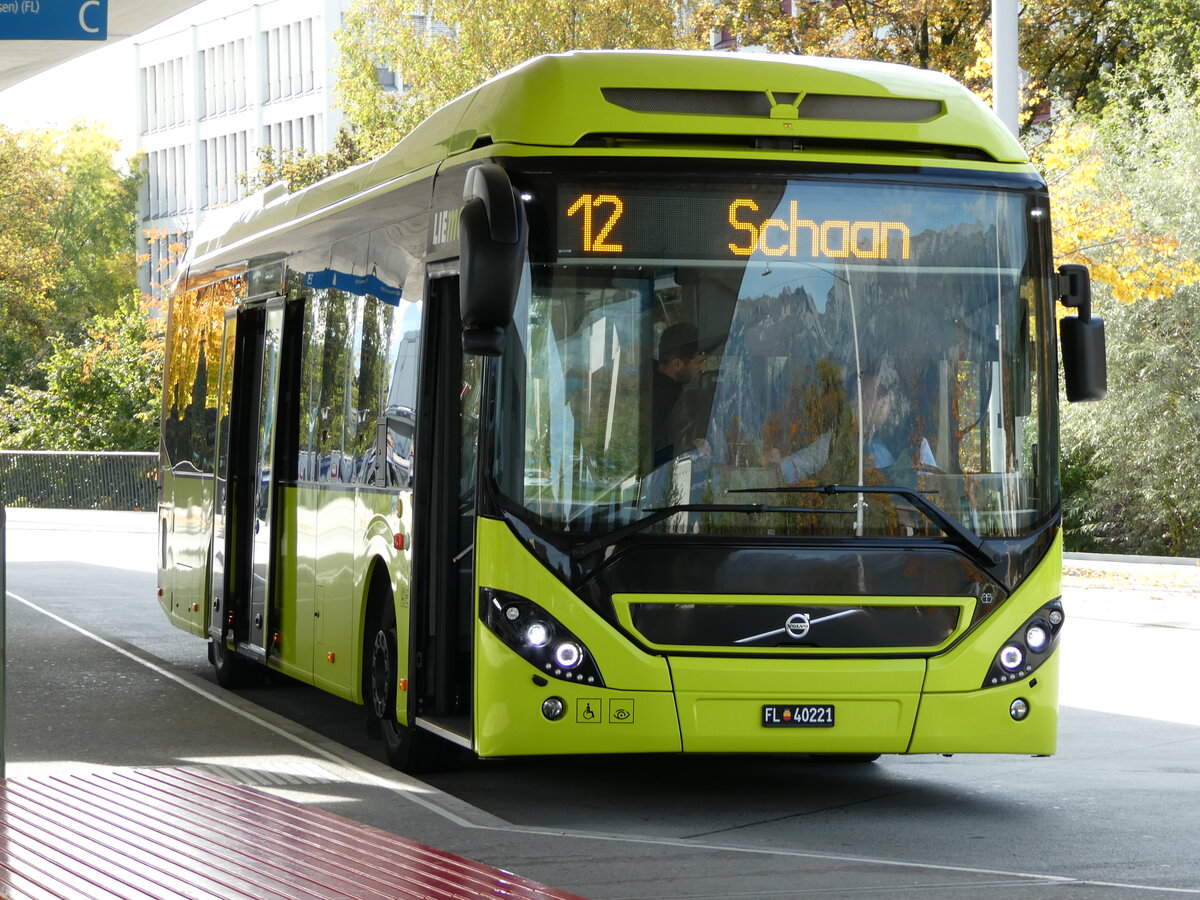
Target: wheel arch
(379, 597)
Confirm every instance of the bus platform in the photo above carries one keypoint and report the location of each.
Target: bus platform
(172, 833)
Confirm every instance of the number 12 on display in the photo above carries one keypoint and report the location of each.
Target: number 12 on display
(597, 241)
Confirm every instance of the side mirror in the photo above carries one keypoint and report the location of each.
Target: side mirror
(1081, 337)
(493, 234)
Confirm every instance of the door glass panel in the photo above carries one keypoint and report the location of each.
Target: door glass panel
(265, 443)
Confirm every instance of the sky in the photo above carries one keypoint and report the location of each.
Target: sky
(99, 87)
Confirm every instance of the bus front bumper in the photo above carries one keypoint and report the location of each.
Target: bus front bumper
(856, 706)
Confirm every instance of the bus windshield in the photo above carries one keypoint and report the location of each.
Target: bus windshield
(708, 358)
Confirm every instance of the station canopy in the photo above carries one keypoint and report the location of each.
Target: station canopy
(20, 60)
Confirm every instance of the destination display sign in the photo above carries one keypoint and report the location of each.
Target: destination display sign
(641, 223)
(806, 221)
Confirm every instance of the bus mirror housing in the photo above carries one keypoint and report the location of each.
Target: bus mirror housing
(493, 235)
(1081, 337)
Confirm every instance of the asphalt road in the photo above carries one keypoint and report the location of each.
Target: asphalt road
(97, 680)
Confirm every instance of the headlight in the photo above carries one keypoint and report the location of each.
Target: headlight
(539, 638)
(1033, 643)
(537, 634)
(1011, 657)
(568, 654)
(1037, 637)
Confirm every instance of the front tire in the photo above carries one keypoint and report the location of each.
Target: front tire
(407, 748)
(232, 671)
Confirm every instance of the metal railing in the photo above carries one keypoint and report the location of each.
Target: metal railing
(57, 479)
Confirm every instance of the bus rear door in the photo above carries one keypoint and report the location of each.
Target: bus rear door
(244, 551)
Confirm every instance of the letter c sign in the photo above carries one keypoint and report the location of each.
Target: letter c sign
(83, 16)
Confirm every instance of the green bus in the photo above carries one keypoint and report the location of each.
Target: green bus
(640, 402)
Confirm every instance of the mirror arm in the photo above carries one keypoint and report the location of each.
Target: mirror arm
(1075, 289)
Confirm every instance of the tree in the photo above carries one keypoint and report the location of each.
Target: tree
(96, 223)
(30, 261)
(1104, 219)
(102, 393)
(67, 239)
(299, 168)
(447, 48)
(1129, 462)
(1064, 44)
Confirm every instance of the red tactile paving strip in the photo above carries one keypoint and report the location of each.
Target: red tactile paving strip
(167, 834)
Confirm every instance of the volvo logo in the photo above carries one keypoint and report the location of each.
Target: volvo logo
(797, 625)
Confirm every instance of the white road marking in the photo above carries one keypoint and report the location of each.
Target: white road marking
(467, 816)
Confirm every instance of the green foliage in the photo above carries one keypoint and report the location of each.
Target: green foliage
(1163, 41)
(30, 261)
(67, 240)
(102, 393)
(1064, 44)
(300, 168)
(1131, 463)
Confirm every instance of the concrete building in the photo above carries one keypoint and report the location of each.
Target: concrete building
(212, 93)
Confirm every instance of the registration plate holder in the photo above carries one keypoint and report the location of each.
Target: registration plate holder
(798, 715)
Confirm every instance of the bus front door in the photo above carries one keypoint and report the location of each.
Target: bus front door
(449, 446)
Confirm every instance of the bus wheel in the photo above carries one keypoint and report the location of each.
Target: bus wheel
(231, 670)
(408, 749)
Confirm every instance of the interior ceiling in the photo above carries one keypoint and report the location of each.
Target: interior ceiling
(24, 59)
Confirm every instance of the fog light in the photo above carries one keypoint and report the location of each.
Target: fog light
(568, 654)
(553, 708)
(1011, 657)
(537, 634)
(1019, 709)
(1056, 617)
(1036, 638)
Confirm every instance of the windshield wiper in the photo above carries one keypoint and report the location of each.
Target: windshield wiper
(657, 514)
(958, 533)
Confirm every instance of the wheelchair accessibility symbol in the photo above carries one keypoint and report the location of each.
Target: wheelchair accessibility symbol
(589, 711)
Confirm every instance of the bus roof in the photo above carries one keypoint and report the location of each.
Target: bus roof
(595, 95)
(706, 100)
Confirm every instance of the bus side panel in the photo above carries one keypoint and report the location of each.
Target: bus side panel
(194, 347)
(958, 715)
(634, 713)
(335, 594)
(186, 522)
(378, 524)
(296, 537)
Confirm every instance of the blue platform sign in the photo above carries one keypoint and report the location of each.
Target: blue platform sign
(53, 20)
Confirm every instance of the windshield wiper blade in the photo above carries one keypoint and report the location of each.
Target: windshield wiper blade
(657, 514)
(958, 533)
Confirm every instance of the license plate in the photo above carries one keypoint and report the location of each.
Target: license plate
(807, 715)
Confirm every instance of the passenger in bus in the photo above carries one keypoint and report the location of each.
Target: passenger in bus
(679, 361)
(838, 441)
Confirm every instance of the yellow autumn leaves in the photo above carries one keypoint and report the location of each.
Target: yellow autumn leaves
(1096, 222)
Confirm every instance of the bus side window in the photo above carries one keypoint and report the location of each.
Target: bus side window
(399, 392)
(335, 372)
(372, 361)
(310, 376)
